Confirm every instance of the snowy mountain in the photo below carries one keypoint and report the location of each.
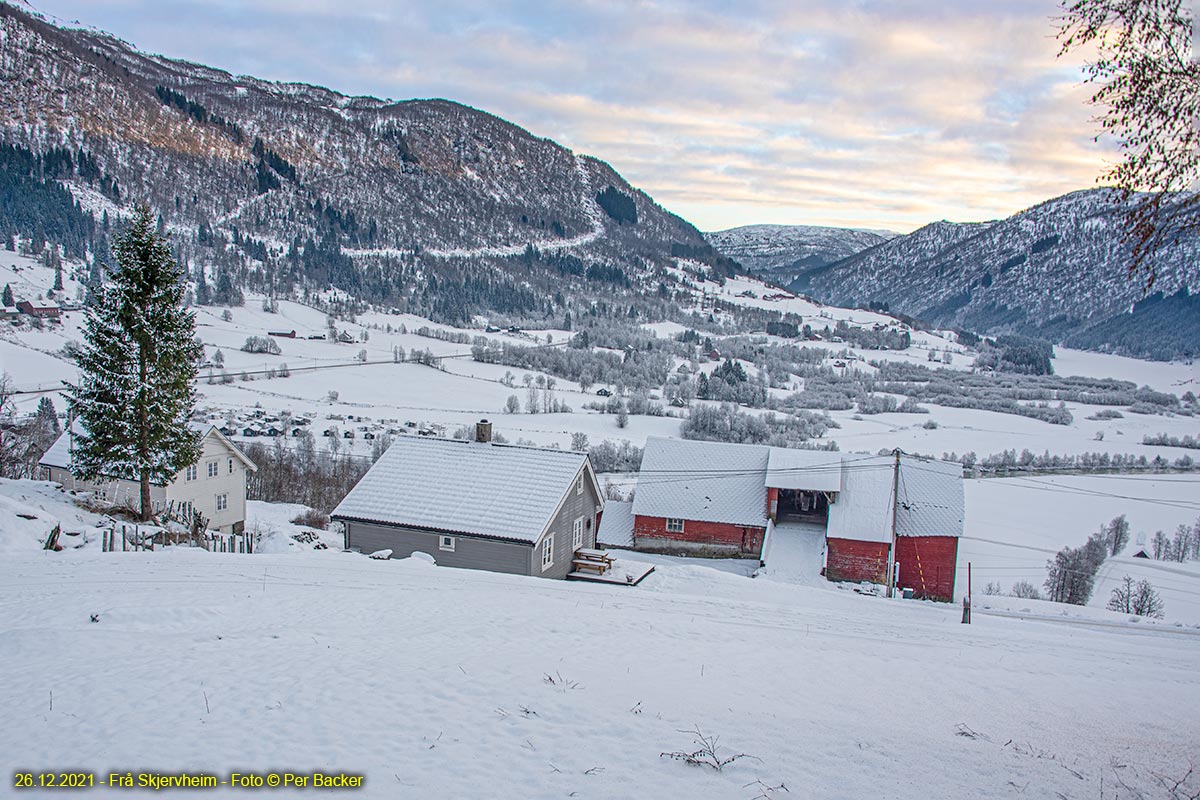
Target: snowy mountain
(291, 180)
(1058, 270)
(782, 253)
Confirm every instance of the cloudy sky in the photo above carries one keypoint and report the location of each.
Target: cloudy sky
(839, 112)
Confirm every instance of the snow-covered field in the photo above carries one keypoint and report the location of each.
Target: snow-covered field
(434, 682)
(1015, 525)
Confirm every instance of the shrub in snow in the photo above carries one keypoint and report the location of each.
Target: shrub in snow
(706, 753)
(1026, 591)
(311, 518)
(1136, 598)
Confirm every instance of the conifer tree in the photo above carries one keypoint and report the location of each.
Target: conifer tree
(8, 296)
(137, 366)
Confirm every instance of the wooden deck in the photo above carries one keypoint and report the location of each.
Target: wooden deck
(620, 573)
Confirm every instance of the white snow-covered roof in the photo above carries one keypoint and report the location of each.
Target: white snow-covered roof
(703, 481)
(863, 509)
(493, 490)
(720, 482)
(616, 525)
(811, 470)
(931, 495)
(59, 453)
(930, 499)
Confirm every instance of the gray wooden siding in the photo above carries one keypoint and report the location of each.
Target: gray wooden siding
(489, 554)
(575, 506)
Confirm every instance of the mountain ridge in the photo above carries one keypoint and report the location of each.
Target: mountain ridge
(783, 253)
(283, 182)
(1057, 270)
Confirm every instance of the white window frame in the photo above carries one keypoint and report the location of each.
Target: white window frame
(577, 534)
(222, 502)
(579, 485)
(191, 472)
(214, 469)
(447, 543)
(674, 525)
(548, 552)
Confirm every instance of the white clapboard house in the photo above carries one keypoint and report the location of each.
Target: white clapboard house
(214, 487)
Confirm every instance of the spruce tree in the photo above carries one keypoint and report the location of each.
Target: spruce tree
(8, 296)
(137, 366)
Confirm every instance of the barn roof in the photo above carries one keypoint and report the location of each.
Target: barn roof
(486, 489)
(930, 499)
(727, 483)
(811, 470)
(703, 481)
(863, 510)
(616, 526)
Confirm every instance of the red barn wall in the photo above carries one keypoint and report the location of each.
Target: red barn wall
(853, 560)
(719, 536)
(927, 565)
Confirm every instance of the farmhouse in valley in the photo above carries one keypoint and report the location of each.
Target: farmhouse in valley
(214, 487)
(476, 505)
(43, 309)
(871, 513)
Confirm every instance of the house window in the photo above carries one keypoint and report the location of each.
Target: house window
(577, 534)
(191, 472)
(222, 502)
(446, 543)
(674, 526)
(547, 552)
(579, 485)
(213, 469)
(231, 466)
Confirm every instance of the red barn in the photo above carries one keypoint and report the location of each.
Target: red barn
(861, 515)
(701, 498)
(46, 309)
(906, 511)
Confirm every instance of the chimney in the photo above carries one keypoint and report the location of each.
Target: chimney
(483, 431)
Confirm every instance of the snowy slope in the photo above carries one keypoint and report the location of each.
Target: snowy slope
(433, 682)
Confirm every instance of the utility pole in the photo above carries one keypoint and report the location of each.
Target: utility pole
(895, 506)
(967, 600)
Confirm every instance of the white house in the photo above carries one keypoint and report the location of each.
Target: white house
(215, 486)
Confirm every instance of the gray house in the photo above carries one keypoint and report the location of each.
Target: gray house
(476, 505)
